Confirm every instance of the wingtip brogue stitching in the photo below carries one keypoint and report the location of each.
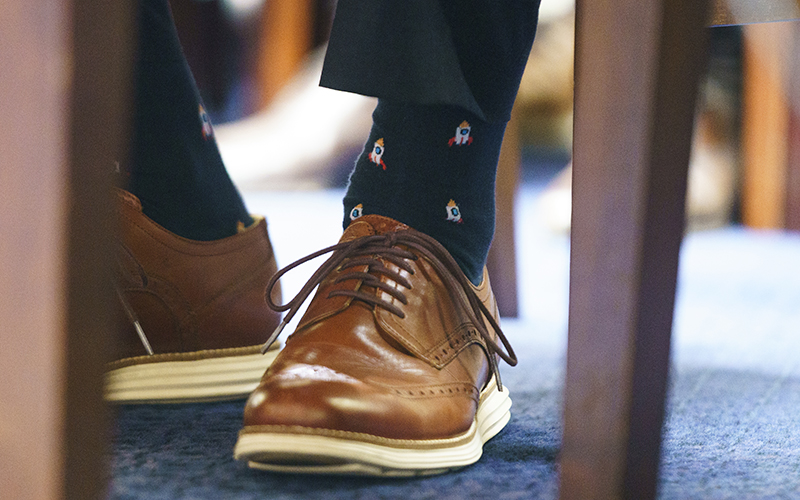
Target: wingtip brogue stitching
(353, 392)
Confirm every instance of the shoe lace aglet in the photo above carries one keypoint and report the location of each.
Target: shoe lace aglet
(274, 336)
(143, 337)
(496, 370)
(135, 321)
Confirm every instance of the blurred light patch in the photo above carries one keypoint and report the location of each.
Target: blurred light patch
(241, 9)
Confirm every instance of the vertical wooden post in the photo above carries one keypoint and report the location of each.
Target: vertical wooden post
(60, 76)
(793, 160)
(765, 124)
(502, 259)
(637, 68)
(97, 132)
(34, 83)
(284, 43)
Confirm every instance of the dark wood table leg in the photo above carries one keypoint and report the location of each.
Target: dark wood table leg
(502, 259)
(793, 167)
(63, 78)
(637, 68)
(97, 129)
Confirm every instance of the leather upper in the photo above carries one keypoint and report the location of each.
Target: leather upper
(192, 295)
(355, 367)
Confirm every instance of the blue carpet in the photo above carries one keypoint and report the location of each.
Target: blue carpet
(733, 422)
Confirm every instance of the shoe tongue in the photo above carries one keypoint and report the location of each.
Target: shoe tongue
(368, 225)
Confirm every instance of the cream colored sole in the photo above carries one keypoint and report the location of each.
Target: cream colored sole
(315, 454)
(213, 376)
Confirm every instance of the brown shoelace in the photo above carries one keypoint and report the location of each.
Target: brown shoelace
(373, 252)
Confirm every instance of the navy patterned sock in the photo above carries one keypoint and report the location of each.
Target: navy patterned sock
(432, 168)
(175, 167)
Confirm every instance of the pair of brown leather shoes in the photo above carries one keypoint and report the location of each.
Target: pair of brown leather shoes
(391, 371)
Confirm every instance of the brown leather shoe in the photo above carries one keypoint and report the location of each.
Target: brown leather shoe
(199, 307)
(391, 371)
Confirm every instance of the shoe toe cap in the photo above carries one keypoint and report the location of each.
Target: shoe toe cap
(318, 397)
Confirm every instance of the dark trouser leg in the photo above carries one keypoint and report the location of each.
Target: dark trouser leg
(446, 75)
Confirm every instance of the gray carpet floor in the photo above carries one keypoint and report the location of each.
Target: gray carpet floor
(733, 420)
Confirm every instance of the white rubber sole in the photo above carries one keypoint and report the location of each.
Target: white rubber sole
(315, 454)
(206, 379)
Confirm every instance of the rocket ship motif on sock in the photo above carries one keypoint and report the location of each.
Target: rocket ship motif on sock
(453, 212)
(205, 121)
(462, 136)
(376, 156)
(357, 212)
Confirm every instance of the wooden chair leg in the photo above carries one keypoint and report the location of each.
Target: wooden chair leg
(502, 260)
(793, 157)
(62, 76)
(765, 124)
(103, 35)
(637, 68)
(770, 126)
(285, 40)
(33, 86)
